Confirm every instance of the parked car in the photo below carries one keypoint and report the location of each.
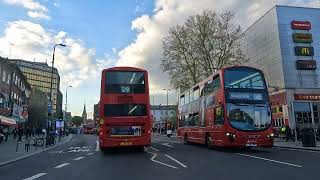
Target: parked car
(74, 130)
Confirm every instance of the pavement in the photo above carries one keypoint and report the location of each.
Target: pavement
(166, 158)
(11, 151)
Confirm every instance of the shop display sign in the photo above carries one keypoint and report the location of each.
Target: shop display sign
(303, 51)
(306, 64)
(301, 25)
(302, 37)
(307, 97)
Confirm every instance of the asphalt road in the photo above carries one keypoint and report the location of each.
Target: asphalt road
(80, 159)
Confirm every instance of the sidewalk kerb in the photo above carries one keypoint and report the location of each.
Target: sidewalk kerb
(297, 148)
(29, 155)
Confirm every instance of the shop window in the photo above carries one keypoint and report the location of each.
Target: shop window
(280, 108)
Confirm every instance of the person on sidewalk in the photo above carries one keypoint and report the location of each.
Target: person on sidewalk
(288, 133)
(6, 133)
(20, 134)
(15, 133)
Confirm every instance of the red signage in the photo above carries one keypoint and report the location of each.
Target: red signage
(301, 25)
(306, 64)
(307, 97)
(278, 99)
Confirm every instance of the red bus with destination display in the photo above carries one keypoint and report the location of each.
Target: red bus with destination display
(229, 109)
(124, 108)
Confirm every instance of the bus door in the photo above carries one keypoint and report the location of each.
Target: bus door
(202, 118)
(217, 124)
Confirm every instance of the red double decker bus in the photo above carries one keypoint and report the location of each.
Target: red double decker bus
(124, 108)
(229, 109)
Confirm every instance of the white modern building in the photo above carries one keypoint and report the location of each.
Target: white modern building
(285, 44)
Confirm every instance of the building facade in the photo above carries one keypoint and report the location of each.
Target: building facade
(14, 94)
(39, 76)
(96, 114)
(285, 45)
(162, 114)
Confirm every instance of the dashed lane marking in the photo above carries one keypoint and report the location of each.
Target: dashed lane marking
(62, 165)
(173, 159)
(271, 160)
(89, 154)
(35, 176)
(154, 149)
(97, 146)
(166, 144)
(78, 158)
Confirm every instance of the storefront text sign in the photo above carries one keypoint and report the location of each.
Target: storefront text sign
(307, 97)
(303, 51)
(306, 64)
(301, 25)
(302, 37)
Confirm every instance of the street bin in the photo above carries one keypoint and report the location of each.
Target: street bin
(308, 137)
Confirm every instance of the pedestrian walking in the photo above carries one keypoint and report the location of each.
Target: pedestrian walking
(288, 132)
(6, 133)
(20, 134)
(15, 133)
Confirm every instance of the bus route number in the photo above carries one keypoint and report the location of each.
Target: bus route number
(125, 89)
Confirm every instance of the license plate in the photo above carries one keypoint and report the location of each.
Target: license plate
(251, 145)
(125, 143)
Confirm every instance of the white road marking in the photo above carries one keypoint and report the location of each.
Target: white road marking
(173, 159)
(78, 158)
(154, 149)
(168, 165)
(271, 160)
(62, 165)
(166, 144)
(302, 150)
(35, 176)
(89, 154)
(97, 146)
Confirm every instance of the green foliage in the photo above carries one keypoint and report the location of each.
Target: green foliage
(77, 120)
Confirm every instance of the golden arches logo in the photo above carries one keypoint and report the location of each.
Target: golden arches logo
(305, 51)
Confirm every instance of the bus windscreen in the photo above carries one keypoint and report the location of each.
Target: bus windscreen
(118, 110)
(241, 78)
(121, 82)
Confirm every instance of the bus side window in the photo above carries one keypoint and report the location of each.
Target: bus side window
(218, 115)
(196, 119)
(216, 83)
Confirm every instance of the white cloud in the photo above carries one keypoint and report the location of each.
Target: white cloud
(145, 50)
(76, 63)
(28, 4)
(38, 14)
(35, 9)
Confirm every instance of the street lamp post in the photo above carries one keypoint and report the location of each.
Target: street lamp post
(66, 106)
(52, 68)
(167, 89)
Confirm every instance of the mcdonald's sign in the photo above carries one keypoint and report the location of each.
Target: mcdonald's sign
(303, 51)
(301, 25)
(302, 37)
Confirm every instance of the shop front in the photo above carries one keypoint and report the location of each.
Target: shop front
(306, 112)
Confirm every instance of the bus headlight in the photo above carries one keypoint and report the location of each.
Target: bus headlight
(270, 136)
(231, 136)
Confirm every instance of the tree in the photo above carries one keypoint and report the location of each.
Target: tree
(37, 108)
(204, 44)
(77, 120)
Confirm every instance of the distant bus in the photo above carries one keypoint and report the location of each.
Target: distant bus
(88, 128)
(125, 118)
(230, 109)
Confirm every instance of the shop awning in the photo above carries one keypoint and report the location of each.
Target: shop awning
(7, 121)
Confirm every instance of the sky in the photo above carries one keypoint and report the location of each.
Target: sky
(102, 34)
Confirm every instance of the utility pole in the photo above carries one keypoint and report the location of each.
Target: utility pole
(167, 89)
